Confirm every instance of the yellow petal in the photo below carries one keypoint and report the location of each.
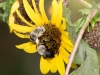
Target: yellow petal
(65, 53)
(13, 8)
(60, 64)
(67, 46)
(63, 25)
(20, 28)
(53, 65)
(11, 16)
(66, 34)
(30, 12)
(21, 35)
(44, 65)
(34, 5)
(66, 40)
(11, 30)
(54, 12)
(36, 11)
(59, 14)
(65, 56)
(28, 47)
(19, 15)
(74, 65)
(41, 6)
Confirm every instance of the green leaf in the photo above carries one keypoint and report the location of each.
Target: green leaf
(90, 66)
(97, 17)
(2, 5)
(80, 23)
(85, 11)
(81, 53)
(70, 27)
(94, 5)
(8, 5)
(92, 22)
(66, 14)
(1, 15)
(85, 56)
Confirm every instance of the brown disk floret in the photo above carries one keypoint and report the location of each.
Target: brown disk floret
(93, 36)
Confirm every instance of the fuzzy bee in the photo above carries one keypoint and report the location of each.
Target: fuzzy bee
(42, 42)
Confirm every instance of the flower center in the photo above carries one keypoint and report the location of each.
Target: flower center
(47, 39)
(93, 36)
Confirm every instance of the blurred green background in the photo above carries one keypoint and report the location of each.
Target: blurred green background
(17, 62)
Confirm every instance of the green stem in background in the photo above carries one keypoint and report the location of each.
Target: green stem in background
(84, 3)
(89, 17)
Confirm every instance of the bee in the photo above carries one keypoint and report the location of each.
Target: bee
(38, 36)
(36, 33)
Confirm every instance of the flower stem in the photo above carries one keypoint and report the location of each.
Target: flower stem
(84, 3)
(89, 17)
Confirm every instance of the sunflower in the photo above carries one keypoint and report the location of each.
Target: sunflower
(47, 37)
